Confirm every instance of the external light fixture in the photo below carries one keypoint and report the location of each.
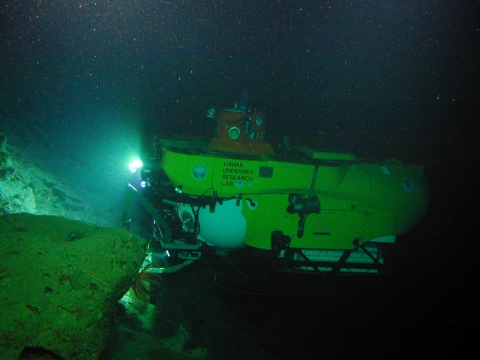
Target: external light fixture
(135, 165)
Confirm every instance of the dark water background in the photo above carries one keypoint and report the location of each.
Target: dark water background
(378, 78)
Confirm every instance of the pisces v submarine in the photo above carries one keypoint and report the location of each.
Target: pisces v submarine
(302, 209)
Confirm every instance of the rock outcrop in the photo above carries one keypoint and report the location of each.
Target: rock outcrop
(60, 281)
(24, 187)
(15, 196)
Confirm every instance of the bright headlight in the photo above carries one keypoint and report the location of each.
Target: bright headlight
(135, 165)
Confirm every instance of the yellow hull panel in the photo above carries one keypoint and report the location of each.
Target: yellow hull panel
(359, 201)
